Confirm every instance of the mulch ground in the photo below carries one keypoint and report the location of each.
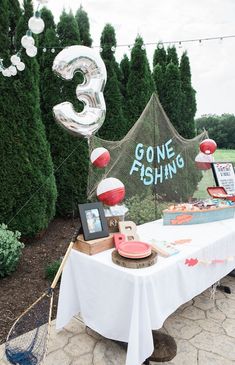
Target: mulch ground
(27, 283)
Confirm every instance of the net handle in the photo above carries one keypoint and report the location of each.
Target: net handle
(56, 278)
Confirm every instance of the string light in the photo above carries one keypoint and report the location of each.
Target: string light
(158, 44)
(36, 26)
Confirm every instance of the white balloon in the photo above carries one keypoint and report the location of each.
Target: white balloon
(31, 51)
(20, 66)
(36, 24)
(13, 70)
(27, 41)
(90, 92)
(15, 59)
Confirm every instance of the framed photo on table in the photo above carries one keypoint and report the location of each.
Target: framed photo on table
(93, 221)
(224, 175)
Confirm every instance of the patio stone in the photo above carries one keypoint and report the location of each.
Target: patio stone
(180, 327)
(79, 345)
(229, 326)
(218, 344)
(208, 358)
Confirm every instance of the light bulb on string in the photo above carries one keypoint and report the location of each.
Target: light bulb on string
(6, 72)
(44, 50)
(143, 47)
(15, 59)
(36, 24)
(12, 70)
(113, 48)
(20, 66)
(53, 50)
(27, 40)
(32, 51)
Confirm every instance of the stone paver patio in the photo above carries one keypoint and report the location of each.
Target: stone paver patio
(204, 330)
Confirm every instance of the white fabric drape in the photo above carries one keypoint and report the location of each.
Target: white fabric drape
(126, 304)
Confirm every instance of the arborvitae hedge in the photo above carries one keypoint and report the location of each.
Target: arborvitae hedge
(28, 192)
(140, 84)
(83, 26)
(188, 103)
(114, 127)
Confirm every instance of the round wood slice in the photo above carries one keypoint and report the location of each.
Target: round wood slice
(134, 263)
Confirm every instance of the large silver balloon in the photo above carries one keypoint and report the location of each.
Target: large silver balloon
(87, 61)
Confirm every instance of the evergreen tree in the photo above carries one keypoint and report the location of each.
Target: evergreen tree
(114, 127)
(28, 192)
(160, 56)
(159, 80)
(188, 102)
(14, 16)
(70, 154)
(67, 30)
(172, 56)
(84, 27)
(125, 71)
(140, 85)
(172, 96)
(4, 30)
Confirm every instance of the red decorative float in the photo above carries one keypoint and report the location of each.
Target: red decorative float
(208, 146)
(110, 191)
(203, 162)
(100, 157)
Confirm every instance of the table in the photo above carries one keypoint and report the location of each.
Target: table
(127, 304)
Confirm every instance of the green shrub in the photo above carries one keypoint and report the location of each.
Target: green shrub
(10, 250)
(51, 269)
(143, 209)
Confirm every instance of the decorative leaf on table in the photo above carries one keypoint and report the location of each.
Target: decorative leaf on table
(191, 262)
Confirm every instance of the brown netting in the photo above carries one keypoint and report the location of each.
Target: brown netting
(156, 164)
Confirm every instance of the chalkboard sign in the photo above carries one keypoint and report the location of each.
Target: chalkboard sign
(224, 175)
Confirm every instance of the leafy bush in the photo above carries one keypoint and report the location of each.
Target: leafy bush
(143, 209)
(10, 250)
(51, 269)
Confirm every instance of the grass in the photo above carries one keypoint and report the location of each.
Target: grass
(208, 179)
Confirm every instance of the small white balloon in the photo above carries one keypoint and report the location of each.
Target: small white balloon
(36, 24)
(27, 41)
(32, 51)
(15, 59)
(20, 66)
(13, 70)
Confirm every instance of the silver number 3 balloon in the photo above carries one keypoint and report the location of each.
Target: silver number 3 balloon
(85, 60)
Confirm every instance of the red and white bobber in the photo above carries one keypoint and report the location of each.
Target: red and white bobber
(110, 191)
(203, 162)
(100, 157)
(208, 146)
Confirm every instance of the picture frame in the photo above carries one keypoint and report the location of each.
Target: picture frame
(224, 175)
(93, 221)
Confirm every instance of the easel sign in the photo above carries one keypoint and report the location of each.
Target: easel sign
(224, 175)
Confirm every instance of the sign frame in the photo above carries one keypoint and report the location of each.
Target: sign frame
(227, 168)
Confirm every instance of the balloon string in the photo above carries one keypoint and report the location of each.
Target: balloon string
(31, 197)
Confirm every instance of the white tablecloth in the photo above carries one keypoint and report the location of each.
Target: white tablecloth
(126, 304)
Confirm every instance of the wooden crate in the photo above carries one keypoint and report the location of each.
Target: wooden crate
(93, 246)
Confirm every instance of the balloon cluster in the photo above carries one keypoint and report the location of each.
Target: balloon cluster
(110, 191)
(36, 25)
(204, 158)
